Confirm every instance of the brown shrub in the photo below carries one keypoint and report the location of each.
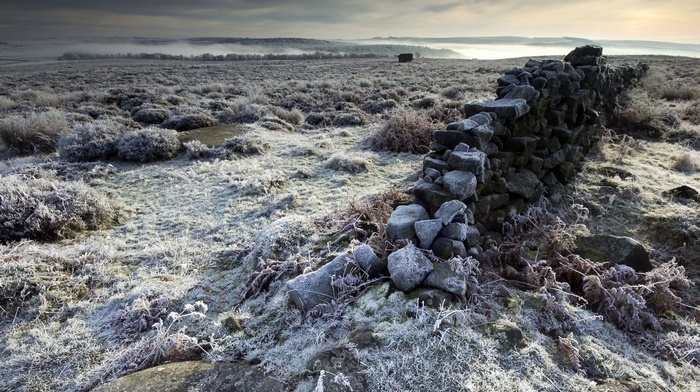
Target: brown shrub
(404, 131)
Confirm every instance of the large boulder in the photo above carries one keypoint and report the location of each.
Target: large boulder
(614, 249)
(408, 267)
(401, 222)
(195, 376)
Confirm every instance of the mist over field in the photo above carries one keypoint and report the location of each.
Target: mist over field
(482, 48)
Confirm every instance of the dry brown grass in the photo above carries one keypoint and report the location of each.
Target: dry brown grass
(35, 132)
(405, 131)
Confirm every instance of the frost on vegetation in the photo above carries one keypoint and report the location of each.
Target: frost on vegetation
(275, 124)
(356, 162)
(184, 120)
(246, 145)
(404, 131)
(36, 132)
(44, 208)
(630, 300)
(92, 141)
(195, 149)
(284, 237)
(150, 114)
(148, 144)
(168, 340)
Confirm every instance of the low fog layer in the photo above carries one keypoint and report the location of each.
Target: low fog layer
(460, 47)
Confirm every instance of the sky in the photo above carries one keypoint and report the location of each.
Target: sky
(655, 20)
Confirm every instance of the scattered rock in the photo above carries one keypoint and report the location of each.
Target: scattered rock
(513, 335)
(617, 386)
(614, 249)
(315, 288)
(684, 192)
(369, 262)
(408, 267)
(435, 298)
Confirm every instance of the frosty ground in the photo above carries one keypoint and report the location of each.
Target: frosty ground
(174, 277)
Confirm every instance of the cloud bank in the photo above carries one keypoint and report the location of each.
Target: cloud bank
(673, 20)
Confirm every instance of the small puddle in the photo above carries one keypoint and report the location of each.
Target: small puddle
(211, 136)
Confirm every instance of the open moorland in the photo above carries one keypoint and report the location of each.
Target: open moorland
(152, 211)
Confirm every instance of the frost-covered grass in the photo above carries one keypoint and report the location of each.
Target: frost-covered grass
(171, 281)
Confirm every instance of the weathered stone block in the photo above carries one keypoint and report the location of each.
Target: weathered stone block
(448, 276)
(470, 161)
(449, 210)
(462, 184)
(446, 248)
(455, 231)
(369, 262)
(401, 222)
(408, 267)
(426, 231)
(435, 163)
(523, 183)
(433, 194)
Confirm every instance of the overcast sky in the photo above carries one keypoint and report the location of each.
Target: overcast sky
(658, 20)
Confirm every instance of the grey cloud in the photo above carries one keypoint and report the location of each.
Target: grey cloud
(440, 8)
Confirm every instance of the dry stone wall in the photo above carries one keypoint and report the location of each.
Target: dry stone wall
(510, 151)
(483, 171)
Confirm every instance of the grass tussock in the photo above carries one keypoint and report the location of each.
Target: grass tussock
(349, 162)
(687, 163)
(93, 141)
(42, 208)
(34, 132)
(404, 131)
(148, 144)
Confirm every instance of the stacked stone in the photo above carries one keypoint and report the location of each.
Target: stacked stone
(485, 170)
(510, 151)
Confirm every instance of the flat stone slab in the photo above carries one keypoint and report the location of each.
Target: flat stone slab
(195, 376)
(505, 109)
(614, 249)
(449, 210)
